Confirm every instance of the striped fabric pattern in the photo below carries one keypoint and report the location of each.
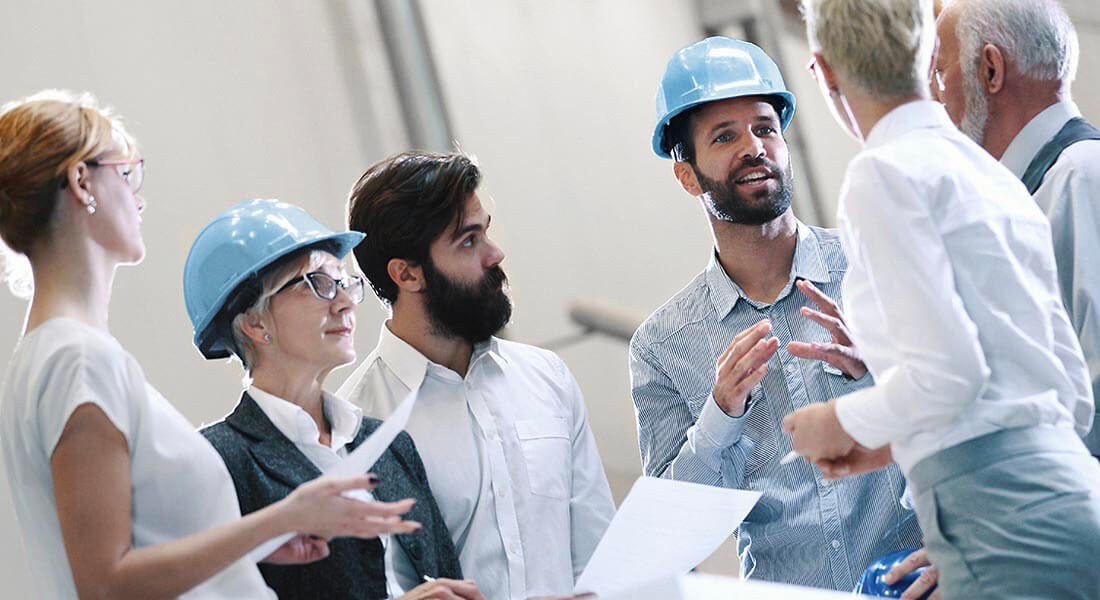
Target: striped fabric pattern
(804, 530)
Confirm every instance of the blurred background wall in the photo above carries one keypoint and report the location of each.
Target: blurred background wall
(253, 98)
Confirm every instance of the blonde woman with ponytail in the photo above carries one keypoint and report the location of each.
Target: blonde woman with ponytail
(116, 494)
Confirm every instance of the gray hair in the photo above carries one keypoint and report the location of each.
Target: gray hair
(271, 279)
(882, 46)
(1036, 35)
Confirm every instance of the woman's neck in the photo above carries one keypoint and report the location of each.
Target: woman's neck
(299, 388)
(72, 278)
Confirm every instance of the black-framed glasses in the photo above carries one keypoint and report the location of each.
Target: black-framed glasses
(324, 286)
(133, 174)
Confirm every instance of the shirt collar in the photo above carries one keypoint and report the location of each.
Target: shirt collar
(411, 366)
(295, 423)
(918, 114)
(808, 263)
(1038, 131)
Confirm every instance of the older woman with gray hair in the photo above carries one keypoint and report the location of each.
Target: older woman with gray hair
(264, 281)
(980, 387)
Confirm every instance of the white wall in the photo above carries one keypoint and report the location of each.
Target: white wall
(251, 98)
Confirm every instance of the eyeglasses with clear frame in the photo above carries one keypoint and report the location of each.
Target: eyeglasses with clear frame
(134, 175)
(324, 286)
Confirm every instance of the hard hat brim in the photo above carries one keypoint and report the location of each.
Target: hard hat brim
(659, 132)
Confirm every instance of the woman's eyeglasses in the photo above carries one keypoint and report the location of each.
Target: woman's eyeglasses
(133, 174)
(324, 286)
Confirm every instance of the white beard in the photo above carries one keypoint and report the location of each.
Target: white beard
(976, 120)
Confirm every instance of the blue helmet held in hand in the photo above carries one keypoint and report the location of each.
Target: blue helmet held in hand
(717, 68)
(871, 584)
(232, 249)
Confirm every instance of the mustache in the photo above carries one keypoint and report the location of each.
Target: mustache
(752, 163)
(494, 279)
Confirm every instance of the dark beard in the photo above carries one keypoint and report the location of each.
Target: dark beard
(727, 204)
(470, 312)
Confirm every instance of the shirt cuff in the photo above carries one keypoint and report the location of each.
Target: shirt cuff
(719, 428)
(865, 417)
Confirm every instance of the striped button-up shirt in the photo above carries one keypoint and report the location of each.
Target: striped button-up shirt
(804, 530)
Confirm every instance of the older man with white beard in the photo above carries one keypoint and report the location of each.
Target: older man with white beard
(1004, 69)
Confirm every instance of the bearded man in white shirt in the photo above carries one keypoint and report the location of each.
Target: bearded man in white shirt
(1004, 70)
(501, 426)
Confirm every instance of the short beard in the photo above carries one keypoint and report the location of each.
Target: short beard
(725, 203)
(975, 122)
(471, 312)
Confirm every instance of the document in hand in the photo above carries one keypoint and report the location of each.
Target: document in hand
(664, 528)
(357, 462)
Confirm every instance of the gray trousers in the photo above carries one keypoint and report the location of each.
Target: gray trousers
(1012, 514)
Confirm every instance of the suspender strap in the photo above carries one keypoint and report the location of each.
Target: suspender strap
(1075, 130)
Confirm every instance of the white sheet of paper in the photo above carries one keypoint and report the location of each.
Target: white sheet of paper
(357, 462)
(663, 528)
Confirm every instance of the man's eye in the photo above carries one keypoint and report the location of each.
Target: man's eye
(126, 174)
(468, 242)
(765, 130)
(722, 139)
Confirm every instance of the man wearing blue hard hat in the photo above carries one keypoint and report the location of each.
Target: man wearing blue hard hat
(757, 334)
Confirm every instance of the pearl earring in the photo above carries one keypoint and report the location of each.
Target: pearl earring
(91, 204)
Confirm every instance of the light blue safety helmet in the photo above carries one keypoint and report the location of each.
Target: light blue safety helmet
(232, 249)
(715, 69)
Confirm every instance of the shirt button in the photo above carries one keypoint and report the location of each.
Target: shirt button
(503, 492)
(791, 368)
(514, 548)
(836, 544)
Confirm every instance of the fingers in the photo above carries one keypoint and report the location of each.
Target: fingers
(833, 324)
(818, 297)
(463, 588)
(925, 582)
(839, 356)
(911, 563)
(742, 343)
(368, 481)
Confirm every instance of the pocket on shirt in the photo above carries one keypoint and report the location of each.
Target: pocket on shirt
(547, 452)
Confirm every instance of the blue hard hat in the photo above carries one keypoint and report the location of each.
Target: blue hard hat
(234, 247)
(715, 69)
(871, 584)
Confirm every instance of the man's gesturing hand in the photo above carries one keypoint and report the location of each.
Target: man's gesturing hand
(840, 352)
(742, 366)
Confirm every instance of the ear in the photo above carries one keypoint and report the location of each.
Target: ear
(252, 326)
(991, 69)
(78, 178)
(687, 178)
(407, 276)
(826, 73)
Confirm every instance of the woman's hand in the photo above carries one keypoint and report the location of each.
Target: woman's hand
(444, 589)
(299, 550)
(318, 508)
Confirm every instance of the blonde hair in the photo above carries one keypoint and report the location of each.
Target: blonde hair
(41, 137)
(882, 46)
(272, 278)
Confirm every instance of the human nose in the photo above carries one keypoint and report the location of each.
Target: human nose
(342, 302)
(753, 148)
(495, 255)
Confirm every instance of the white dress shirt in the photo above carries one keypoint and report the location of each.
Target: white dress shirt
(179, 485)
(1070, 197)
(509, 455)
(345, 419)
(951, 294)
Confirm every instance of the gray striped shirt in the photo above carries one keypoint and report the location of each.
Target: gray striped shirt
(804, 530)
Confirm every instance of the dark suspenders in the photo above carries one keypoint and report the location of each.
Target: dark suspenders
(1075, 130)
